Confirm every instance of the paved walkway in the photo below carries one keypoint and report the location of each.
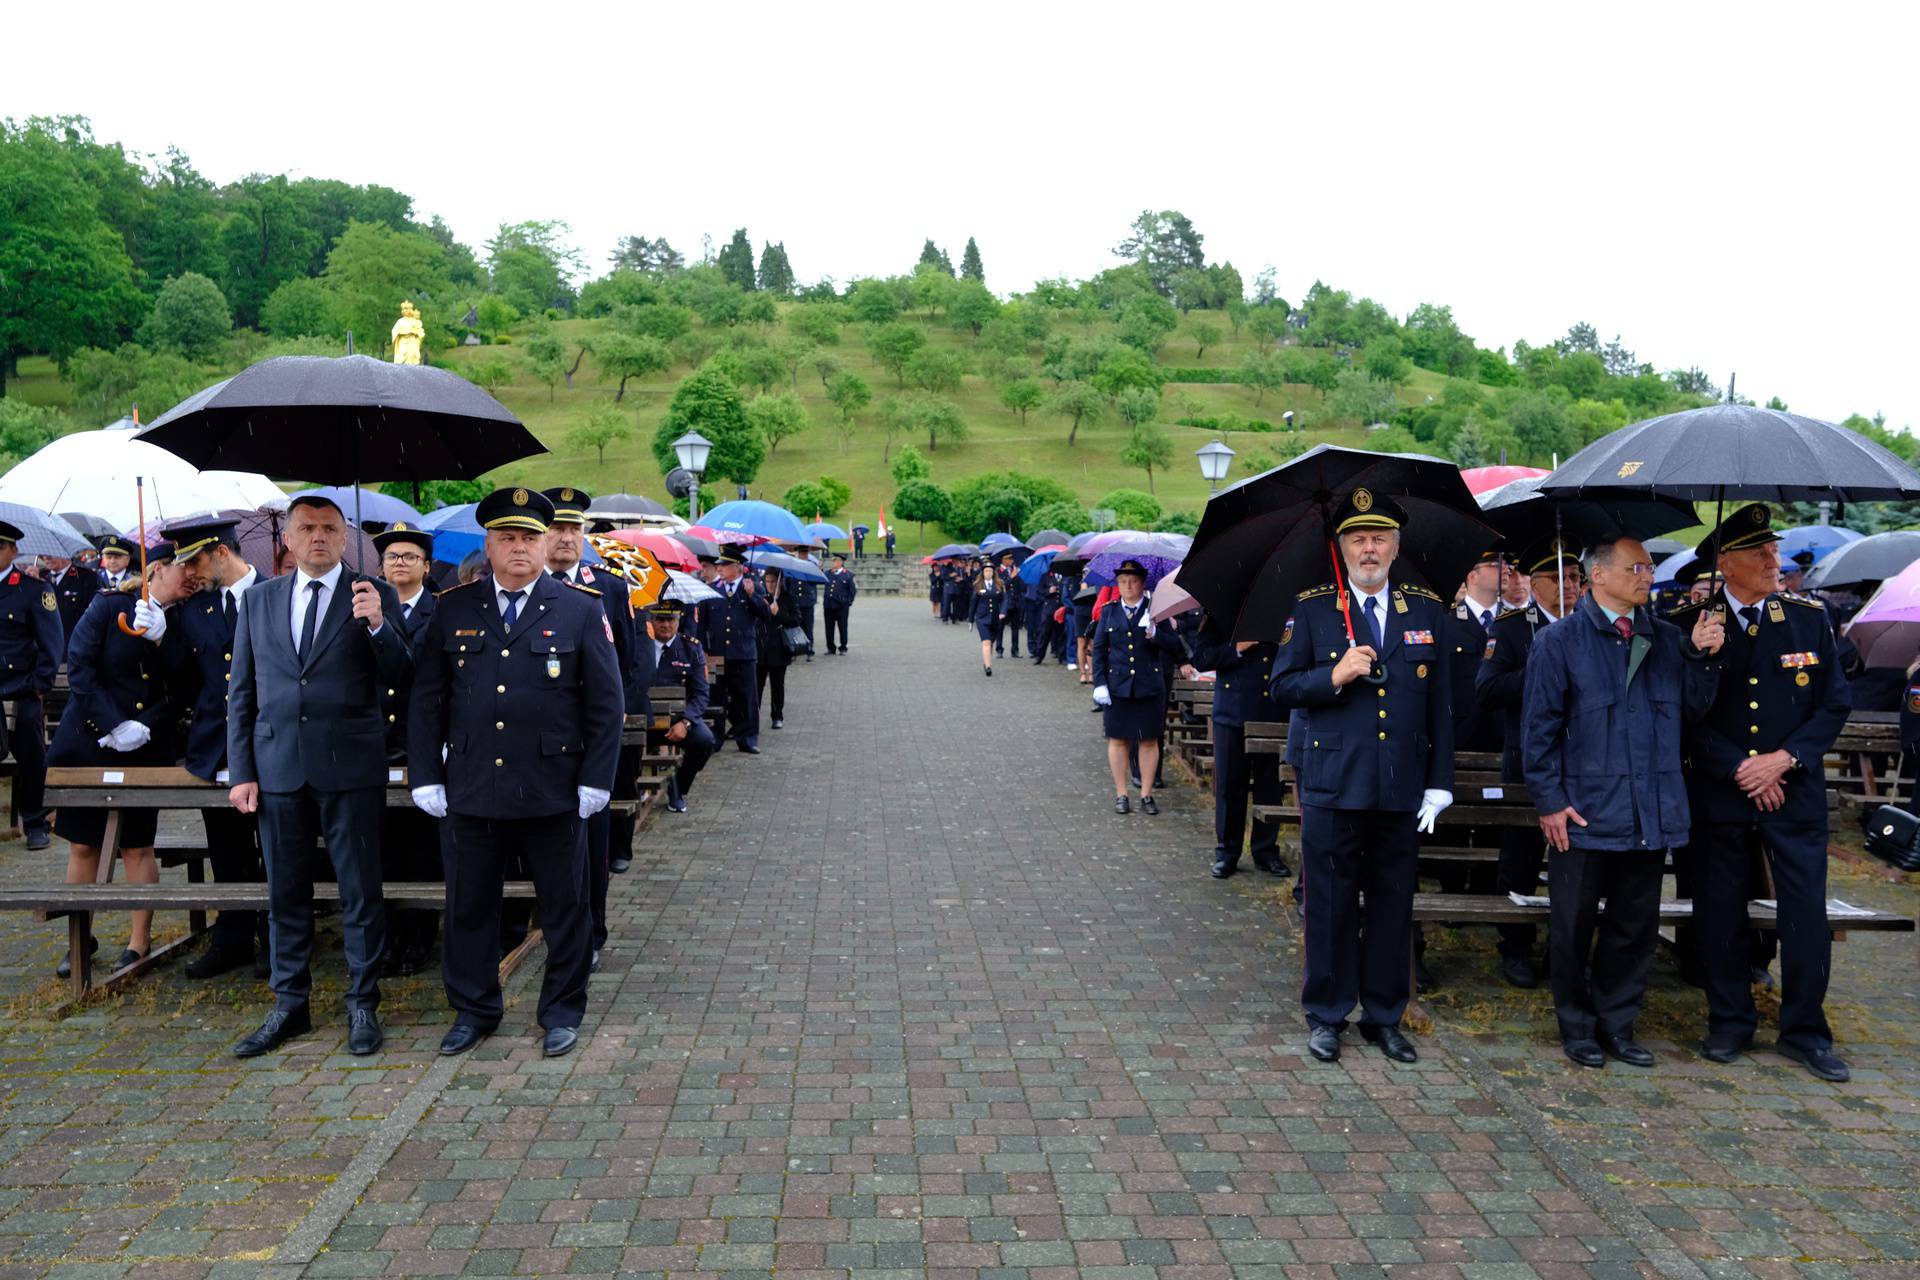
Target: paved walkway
(902, 1000)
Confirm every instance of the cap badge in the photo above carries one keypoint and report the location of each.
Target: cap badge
(1362, 500)
(519, 497)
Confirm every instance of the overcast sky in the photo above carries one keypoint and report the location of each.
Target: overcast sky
(1729, 186)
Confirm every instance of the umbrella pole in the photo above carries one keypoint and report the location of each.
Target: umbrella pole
(1559, 561)
(140, 507)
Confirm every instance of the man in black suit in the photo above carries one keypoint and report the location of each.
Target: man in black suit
(73, 587)
(729, 630)
(313, 652)
(841, 589)
(678, 660)
(520, 685)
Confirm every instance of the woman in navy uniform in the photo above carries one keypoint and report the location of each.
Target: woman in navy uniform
(989, 611)
(121, 714)
(783, 611)
(1130, 681)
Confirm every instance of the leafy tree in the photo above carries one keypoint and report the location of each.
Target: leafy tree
(1067, 517)
(1178, 522)
(1071, 359)
(300, 308)
(1237, 312)
(1131, 508)
(1266, 324)
(1542, 426)
(491, 373)
(1021, 396)
(896, 415)
(839, 494)
(932, 288)
(1137, 406)
(1147, 322)
(1204, 335)
(994, 500)
(1148, 447)
(932, 255)
(25, 429)
(1127, 368)
(662, 320)
(827, 365)
(1693, 382)
(873, 302)
(935, 369)
(708, 403)
(1319, 371)
(1079, 402)
(1392, 440)
(619, 289)
(971, 307)
(736, 261)
(920, 501)
(266, 239)
(495, 315)
(694, 349)
(1479, 444)
(1264, 371)
(533, 266)
(795, 352)
(372, 268)
(1360, 397)
(940, 419)
(970, 268)
(806, 500)
(1384, 361)
(776, 273)
(910, 464)
(629, 355)
(818, 324)
(893, 345)
(757, 366)
(108, 384)
(1162, 244)
(431, 495)
(190, 316)
(1581, 338)
(760, 309)
(776, 417)
(600, 428)
(849, 393)
(546, 358)
(637, 253)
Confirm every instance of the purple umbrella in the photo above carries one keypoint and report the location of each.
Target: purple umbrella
(1158, 553)
(1886, 631)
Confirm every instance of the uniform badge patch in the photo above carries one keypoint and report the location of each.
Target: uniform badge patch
(1286, 632)
(1774, 612)
(1488, 651)
(1362, 500)
(1791, 660)
(48, 602)
(1913, 698)
(1802, 679)
(1421, 671)
(606, 627)
(1418, 637)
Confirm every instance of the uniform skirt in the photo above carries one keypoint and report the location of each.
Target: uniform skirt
(89, 826)
(1136, 719)
(985, 627)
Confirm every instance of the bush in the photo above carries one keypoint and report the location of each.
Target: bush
(921, 501)
(1190, 374)
(189, 317)
(1131, 508)
(1178, 522)
(1226, 422)
(996, 500)
(1067, 517)
(299, 308)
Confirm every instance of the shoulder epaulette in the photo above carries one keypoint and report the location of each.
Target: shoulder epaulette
(592, 591)
(1325, 588)
(1688, 607)
(458, 586)
(1504, 614)
(1808, 601)
(1412, 590)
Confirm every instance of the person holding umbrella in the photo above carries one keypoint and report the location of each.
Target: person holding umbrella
(31, 642)
(1372, 744)
(1130, 683)
(1758, 780)
(806, 597)
(775, 654)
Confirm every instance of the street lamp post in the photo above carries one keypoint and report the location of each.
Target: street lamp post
(1214, 458)
(692, 450)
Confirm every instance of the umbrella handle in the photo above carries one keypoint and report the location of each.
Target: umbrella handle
(140, 506)
(1376, 674)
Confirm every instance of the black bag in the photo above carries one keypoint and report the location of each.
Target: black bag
(1893, 836)
(797, 642)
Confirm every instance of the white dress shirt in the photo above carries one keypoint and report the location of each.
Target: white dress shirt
(238, 589)
(500, 601)
(329, 583)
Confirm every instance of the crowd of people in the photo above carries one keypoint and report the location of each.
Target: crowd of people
(504, 689)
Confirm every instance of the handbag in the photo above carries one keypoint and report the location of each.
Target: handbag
(1893, 836)
(796, 639)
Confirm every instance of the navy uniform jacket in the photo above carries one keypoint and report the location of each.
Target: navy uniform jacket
(1128, 660)
(729, 625)
(75, 591)
(683, 663)
(1362, 746)
(31, 638)
(806, 594)
(1607, 746)
(1500, 677)
(199, 650)
(1473, 730)
(989, 603)
(841, 588)
(393, 701)
(113, 677)
(611, 591)
(1780, 689)
(526, 716)
(314, 724)
(1242, 682)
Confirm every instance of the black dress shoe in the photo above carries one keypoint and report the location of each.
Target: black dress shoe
(363, 1033)
(750, 750)
(37, 840)
(1586, 1053)
(1821, 1062)
(1324, 1043)
(1122, 805)
(1273, 867)
(1518, 971)
(559, 1042)
(1628, 1050)
(279, 1027)
(462, 1036)
(1391, 1042)
(1223, 866)
(1150, 806)
(778, 723)
(65, 968)
(986, 671)
(619, 866)
(1722, 1053)
(215, 961)
(127, 957)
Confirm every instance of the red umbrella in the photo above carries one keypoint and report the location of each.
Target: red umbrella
(668, 552)
(1481, 479)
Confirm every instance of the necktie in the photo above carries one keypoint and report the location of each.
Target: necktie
(1624, 626)
(1752, 615)
(1486, 619)
(513, 607)
(1373, 624)
(312, 620)
(406, 613)
(232, 611)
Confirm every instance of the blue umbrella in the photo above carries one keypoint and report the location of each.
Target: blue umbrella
(997, 541)
(368, 505)
(456, 534)
(1817, 538)
(823, 531)
(793, 566)
(757, 520)
(1036, 566)
(458, 516)
(956, 550)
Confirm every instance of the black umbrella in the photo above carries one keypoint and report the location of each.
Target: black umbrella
(1871, 559)
(91, 527)
(1522, 515)
(1268, 538)
(625, 506)
(1050, 537)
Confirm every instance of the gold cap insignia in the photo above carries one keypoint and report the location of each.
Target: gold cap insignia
(1628, 468)
(1362, 500)
(1759, 515)
(519, 497)
(566, 495)
(399, 526)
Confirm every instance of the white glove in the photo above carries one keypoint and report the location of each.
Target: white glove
(150, 618)
(431, 801)
(1431, 805)
(128, 735)
(1101, 697)
(592, 800)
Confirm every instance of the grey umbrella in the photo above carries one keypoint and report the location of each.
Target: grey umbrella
(1872, 559)
(90, 526)
(625, 506)
(42, 533)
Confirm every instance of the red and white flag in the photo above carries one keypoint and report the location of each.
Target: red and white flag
(883, 522)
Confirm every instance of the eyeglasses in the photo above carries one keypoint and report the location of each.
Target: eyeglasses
(402, 557)
(1641, 569)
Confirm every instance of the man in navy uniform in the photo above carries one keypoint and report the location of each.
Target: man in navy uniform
(409, 839)
(806, 596)
(73, 587)
(520, 684)
(1372, 744)
(679, 660)
(31, 644)
(1242, 693)
(841, 589)
(1553, 571)
(1756, 769)
(198, 647)
(729, 631)
(116, 559)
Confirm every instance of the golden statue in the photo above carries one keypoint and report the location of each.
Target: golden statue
(408, 333)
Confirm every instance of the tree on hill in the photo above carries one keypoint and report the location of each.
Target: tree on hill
(1384, 361)
(546, 358)
(735, 261)
(299, 309)
(827, 365)
(1131, 508)
(1067, 517)
(1163, 244)
(707, 402)
(796, 352)
(970, 268)
(873, 302)
(1000, 500)
(371, 267)
(932, 288)
(935, 369)
(532, 264)
(839, 494)
(601, 428)
(807, 500)
(491, 373)
(1127, 368)
(1359, 397)
(1079, 402)
(910, 464)
(1148, 447)
(495, 314)
(893, 345)
(940, 419)
(932, 255)
(637, 253)
(190, 316)
(921, 501)
(1266, 324)
(776, 273)
(971, 307)
(663, 320)
(849, 393)
(1204, 335)
(1021, 396)
(628, 355)
(818, 324)
(776, 417)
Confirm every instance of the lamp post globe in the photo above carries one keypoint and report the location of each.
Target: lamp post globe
(1214, 458)
(692, 450)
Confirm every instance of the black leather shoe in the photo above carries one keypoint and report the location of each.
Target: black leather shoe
(1821, 1062)
(462, 1036)
(1586, 1053)
(1519, 972)
(779, 723)
(986, 671)
(127, 957)
(1273, 867)
(1391, 1042)
(752, 751)
(280, 1027)
(1722, 1053)
(65, 968)
(1629, 1051)
(559, 1042)
(1122, 805)
(1150, 806)
(215, 961)
(1324, 1043)
(619, 866)
(1223, 866)
(363, 1033)
(37, 840)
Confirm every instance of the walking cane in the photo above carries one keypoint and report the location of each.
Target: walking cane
(140, 505)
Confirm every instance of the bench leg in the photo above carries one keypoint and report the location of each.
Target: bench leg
(79, 954)
(196, 874)
(109, 848)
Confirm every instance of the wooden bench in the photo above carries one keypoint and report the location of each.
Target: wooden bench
(1496, 909)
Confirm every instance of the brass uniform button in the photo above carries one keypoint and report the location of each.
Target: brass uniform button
(498, 763)
(499, 724)
(499, 688)
(1383, 736)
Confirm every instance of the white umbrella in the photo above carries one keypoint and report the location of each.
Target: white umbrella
(94, 471)
(43, 534)
(687, 588)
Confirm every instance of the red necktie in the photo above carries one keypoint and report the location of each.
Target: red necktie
(1625, 627)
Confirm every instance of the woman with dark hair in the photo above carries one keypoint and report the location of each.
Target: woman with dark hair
(783, 611)
(1130, 682)
(989, 611)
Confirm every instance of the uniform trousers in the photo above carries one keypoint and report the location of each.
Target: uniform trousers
(776, 676)
(1012, 626)
(695, 750)
(1600, 958)
(806, 625)
(1357, 952)
(477, 852)
(1522, 850)
(1797, 853)
(28, 745)
(1235, 774)
(599, 835)
(837, 623)
(739, 689)
(290, 824)
(233, 854)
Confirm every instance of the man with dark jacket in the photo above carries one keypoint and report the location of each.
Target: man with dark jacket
(409, 839)
(731, 630)
(680, 661)
(307, 749)
(1607, 691)
(806, 597)
(841, 589)
(73, 587)
(1242, 676)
